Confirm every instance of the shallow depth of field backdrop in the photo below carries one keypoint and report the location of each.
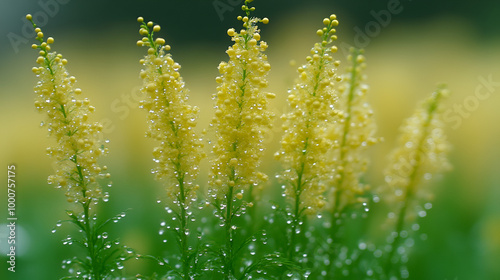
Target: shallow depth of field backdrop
(457, 42)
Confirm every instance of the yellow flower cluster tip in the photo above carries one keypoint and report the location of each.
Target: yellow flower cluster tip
(79, 142)
(241, 114)
(171, 119)
(304, 146)
(421, 151)
(352, 135)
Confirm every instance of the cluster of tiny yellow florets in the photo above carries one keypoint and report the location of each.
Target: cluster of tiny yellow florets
(304, 146)
(352, 135)
(421, 153)
(241, 113)
(79, 142)
(171, 120)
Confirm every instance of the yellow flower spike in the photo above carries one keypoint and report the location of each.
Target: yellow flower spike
(304, 152)
(179, 152)
(355, 134)
(422, 150)
(421, 153)
(67, 122)
(240, 124)
(241, 116)
(311, 101)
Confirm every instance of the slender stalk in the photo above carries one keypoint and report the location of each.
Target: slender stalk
(91, 243)
(88, 228)
(339, 188)
(347, 124)
(228, 267)
(184, 231)
(240, 120)
(402, 213)
(297, 213)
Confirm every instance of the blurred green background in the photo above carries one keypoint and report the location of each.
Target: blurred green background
(422, 43)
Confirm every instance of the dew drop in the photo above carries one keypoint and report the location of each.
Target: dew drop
(415, 227)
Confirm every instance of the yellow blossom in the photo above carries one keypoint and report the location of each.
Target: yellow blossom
(241, 114)
(421, 152)
(351, 136)
(78, 141)
(171, 119)
(304, 147)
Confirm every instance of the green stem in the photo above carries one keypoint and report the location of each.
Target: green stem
(297, 211)
(184, 231)
(93, 252)
(228, 267)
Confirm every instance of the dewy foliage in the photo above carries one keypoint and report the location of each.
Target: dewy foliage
(241, 121)
(326, 132)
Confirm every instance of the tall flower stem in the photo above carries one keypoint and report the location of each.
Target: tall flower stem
(184, 231)
(91, 242)
(240, 122)
(297, 213)
(229, 235)
(353, 83)
(79, 144)
(353, 134)
(410, 188)
(171, 122)
(77, 175)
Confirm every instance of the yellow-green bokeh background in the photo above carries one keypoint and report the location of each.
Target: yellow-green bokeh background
(425, 44)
